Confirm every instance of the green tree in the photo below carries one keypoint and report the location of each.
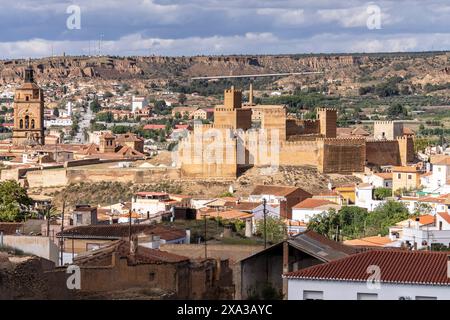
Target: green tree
(386, 215)
(382, 193)
(276, 229)
(14, 202)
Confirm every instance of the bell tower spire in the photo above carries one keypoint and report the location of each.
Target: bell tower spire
(29, 74)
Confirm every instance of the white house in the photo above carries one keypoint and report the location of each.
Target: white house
(439, 180)
(375, 275)
(429, 205)
(421, 237)
(364, 197)
(148, 204)
(379, 180)
(138, 103)
(308, 208)
(59, 122)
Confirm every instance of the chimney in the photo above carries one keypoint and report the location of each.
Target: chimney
(250, 95)
(188, 236)
(448, 266)
(133, 244)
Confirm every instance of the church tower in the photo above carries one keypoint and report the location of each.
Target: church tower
(28, 112)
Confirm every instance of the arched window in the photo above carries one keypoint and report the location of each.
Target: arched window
(32, 123)
(27, 98)
(21, 124)
(27, 122)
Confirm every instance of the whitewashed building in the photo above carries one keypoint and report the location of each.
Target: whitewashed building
(375, 275)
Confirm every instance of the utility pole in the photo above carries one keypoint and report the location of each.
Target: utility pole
(265, 222)
(61, 240)
(129, 228)
(205, 229)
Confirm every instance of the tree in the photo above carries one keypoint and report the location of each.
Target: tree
(14, 202)
(382, 193)
(397, 111)
(182, 98)
(276, 230)
(386, 215)
(95, 106)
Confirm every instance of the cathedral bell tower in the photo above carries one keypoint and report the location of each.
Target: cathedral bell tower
(28, 112)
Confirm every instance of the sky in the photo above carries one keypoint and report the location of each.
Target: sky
(38, 28)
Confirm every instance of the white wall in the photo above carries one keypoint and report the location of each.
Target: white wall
(39, 246)
(346, 290)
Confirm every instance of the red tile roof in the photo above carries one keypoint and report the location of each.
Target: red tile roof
(445, 216)
(154, 127)
(397, 266)
(120, 230)
(312, 203)
(122, 248)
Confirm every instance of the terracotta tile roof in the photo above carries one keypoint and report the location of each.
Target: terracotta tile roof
(149, 193)
(397, 266)
(376, 241)
(243, 206)
(227, 215)
(9, 228)
(143, 255)
(445, 216)
(406, 169)
(154, 127)
(120, 230)
(445, 161)
(312, 203)
(384, 175)
(426, 219)
(408, 131)
(273, 190)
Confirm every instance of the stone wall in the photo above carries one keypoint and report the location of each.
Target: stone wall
(341, 155)
(382, 152)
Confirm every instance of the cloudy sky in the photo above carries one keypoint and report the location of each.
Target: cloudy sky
(35, 28)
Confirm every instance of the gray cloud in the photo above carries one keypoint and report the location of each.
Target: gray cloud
(185, 27)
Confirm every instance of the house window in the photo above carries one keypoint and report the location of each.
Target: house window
(312, 295)
(367, 296)
(425, 298)
(21, 124)
(440, 225)
(409, 176)
(399, 176)
(79, 218)
(27, 98)
(151, 276)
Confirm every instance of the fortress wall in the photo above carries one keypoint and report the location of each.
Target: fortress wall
(47, 178)
(342, 155)
(298, 153)
(296, 127)
(383, 152)
(122, 175)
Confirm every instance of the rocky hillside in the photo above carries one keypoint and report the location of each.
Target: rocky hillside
(350, 70)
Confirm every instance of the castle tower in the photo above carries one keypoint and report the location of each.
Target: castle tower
(231, 115)
(232, 98)
(28, 112)
(327, 118)
(107, 143)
